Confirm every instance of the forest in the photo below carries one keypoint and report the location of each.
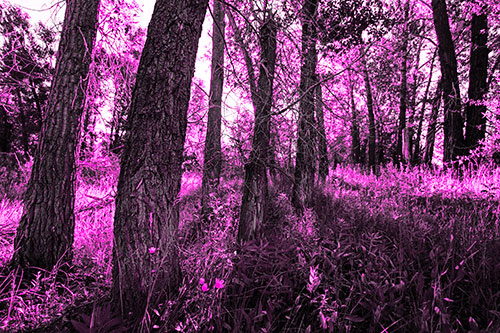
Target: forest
(250, 166)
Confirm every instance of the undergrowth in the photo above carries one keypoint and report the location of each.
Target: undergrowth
(405, 251)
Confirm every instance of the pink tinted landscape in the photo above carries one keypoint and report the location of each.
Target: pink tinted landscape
(271, 166)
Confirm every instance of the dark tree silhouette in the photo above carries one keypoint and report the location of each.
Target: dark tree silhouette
(305, 163)
(212, 153)
(475, 109)
(145, 252)
(453, 121)
(256, 183)
(403, 90)
(45, 233)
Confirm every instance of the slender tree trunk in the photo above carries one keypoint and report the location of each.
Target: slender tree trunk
(431, 129)
(5, 132)
(322, 145)
(255, 188)
(212, 153)
(416, 159)
(372, 135)
(453, 122)
(45, 233)
(356, 141)
(22, 120)
(403, 92)
(305, 163)
(145, 252)
(475, 109)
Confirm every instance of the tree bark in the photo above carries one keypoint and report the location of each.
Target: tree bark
(323, 165)
(372, 135)
(305, 163)
(475, 109)
(255, 188)
(403, 92)
(356, 141)
(145, 252)
(45, 233)
(431, 128)
(212, 153)
(453, 121)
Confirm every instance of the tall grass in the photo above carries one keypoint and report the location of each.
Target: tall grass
(402, 251)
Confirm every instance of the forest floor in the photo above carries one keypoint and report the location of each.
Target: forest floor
(405, 251)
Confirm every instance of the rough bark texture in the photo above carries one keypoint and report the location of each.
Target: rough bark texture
(372, 135)
(212, 153)
(145, 252)
(305, 163)
(453, 120)
(255, 186)
(322, 144)
(403, 92)
(45, 232)
(431, 129)
(475, 110)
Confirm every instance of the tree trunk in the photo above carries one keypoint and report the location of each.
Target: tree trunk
(45, 233)
(5, 132)
(255, 187)
(356, 141)
(453, 121)
(145, 252)
(322, 144)
(416, 158)
(476, 110)
(403, 92)
(305, 160)
(431, 129)
(212, 153)
(372, 135)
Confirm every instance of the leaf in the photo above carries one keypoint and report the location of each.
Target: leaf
(354, 319)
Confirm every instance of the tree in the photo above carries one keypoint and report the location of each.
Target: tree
(475, 109)
(45, 233)
(453, 122)
(145, 252)
(372, 134)
(432, 126)
(305, 167)
(321, 134)
(399, 158)
(25, 72)
(212, 153)
(255, 186)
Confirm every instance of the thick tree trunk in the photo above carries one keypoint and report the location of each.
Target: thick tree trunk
(453, 121)
(212, 153)
(145, 251)
(305, 163)
(372, 135)
(255, 188)
(356, 141)
(403, 92)
(323, 164)
(45, 233)
(431, 128)
(476, 110)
